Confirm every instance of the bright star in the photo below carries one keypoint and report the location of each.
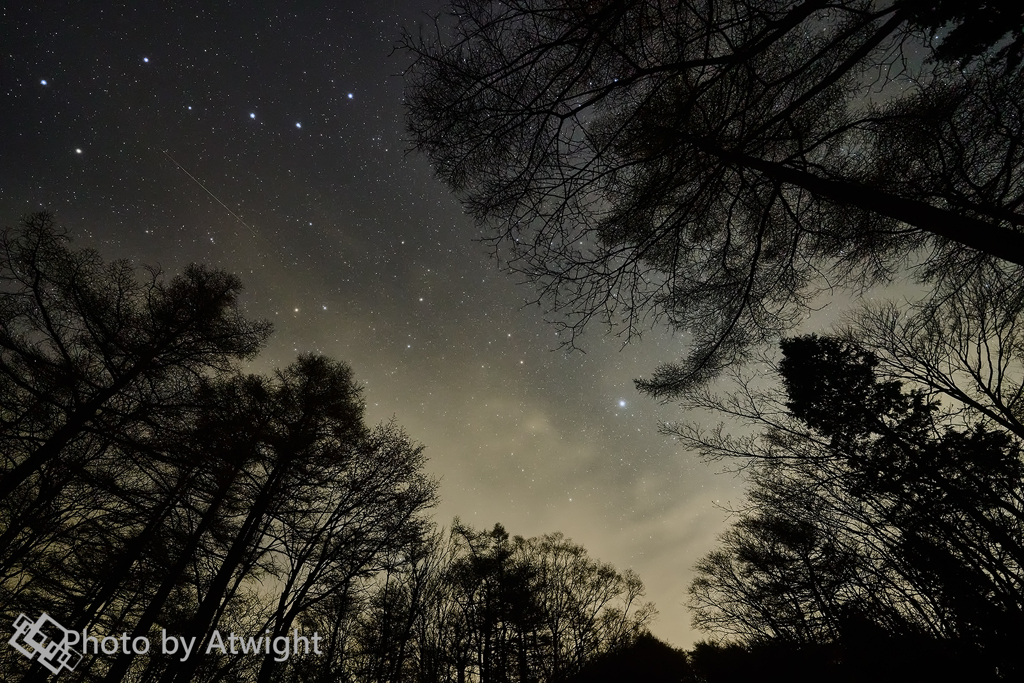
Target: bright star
(146, 60)
(43, 82)
(252, 116)
(298, 125)
(350, 96)
(622, 404)
(78, 150)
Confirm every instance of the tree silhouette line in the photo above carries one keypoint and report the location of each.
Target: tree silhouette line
(152, 489)
(886, 504)
(721, 167)
(713, 166)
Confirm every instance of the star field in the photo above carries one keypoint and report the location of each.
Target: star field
(271, 144)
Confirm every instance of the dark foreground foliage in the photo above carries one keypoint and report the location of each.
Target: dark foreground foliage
(644, 659)
(716, 166)
(886, 508)
(151, 488)
(879, 658)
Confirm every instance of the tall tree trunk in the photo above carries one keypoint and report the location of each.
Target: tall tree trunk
(201, 625)
(983, 236)
(133, 550)
(155, 606)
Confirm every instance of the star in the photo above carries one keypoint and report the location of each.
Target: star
(298, 125)
(252, 115)
(43, 82)
(622, 403)
(350, 96)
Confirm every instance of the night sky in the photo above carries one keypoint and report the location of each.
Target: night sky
(269, 142)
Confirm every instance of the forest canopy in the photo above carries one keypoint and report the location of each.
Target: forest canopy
(153, 490)
(722, 168)
(886, 503)
(717, 166)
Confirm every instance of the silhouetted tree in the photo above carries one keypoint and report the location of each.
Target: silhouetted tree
(716, 165)
(150, 485)
(394, 617)
(176, 493)
(371, 508)
(804, 663)
(326, 501)
(100, 371)
(974, 32)
(586, 607)
(963, 348)
(866, 502)
(88, 349)
(488, 607)
(226, 439)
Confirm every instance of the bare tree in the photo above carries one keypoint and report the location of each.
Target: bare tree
(89, 348)
(495, 608)
(716, 165)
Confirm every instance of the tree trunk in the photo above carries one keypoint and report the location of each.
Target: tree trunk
(152, 611)
(983, 236)
(201, 622)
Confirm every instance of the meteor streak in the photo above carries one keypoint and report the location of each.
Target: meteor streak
(207, 191)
